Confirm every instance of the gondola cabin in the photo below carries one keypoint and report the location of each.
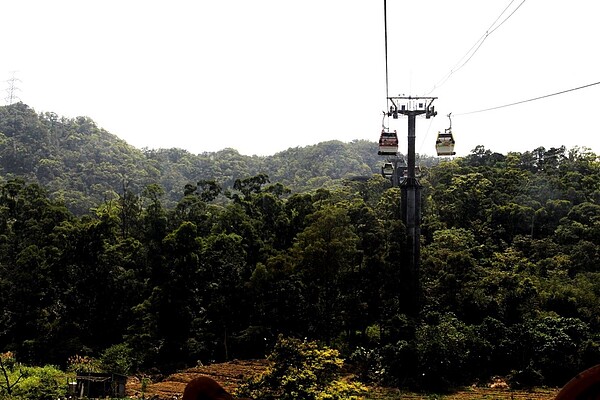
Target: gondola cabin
(388, 143)
(387, 170)
(444, 145)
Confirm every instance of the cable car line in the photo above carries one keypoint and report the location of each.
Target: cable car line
(470, 53)
(426, 136)
(388, 140)
(529, 100)
(505, 19)
(386, 50)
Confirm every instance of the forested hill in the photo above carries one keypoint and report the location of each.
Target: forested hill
(509, 262)
(84, 165)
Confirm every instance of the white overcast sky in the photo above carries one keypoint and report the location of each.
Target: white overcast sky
(264, 75)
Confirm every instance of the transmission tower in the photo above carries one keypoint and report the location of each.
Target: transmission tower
(11, 90)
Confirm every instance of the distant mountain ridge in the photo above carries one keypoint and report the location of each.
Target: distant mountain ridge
(83, 164)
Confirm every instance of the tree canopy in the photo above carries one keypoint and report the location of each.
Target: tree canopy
(171, 269)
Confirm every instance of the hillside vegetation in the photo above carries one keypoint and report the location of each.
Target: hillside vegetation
(213, 257)
(83, 165)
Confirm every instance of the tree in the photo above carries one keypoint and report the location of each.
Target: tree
(326, 252)
(179, 296)
(551, 345)
(224, 273)
(130, 211)
(443, 348)
(466, 203)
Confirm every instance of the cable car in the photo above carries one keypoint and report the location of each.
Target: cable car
(387, 170)
(444, 144)
(388, 143)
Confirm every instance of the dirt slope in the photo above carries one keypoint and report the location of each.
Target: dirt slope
(229, 375)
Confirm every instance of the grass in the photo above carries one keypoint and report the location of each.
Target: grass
(473, 393)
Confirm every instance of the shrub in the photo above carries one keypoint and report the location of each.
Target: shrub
(443, 350)
(42, 383)
(83, 364)
(12, 374)
(117, 359)
(30, 383)
(302, 370)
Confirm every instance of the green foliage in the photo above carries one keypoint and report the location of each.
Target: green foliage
(117, 359)
(12, 373)
(165, 258)
(554, 346)
(81, 163)
(83, 364)
(442, 348)
(19, 381)
(42, 383)
(302, 370)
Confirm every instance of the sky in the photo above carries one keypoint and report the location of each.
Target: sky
(265, 75)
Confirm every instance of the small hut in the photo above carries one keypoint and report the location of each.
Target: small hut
(99, 385)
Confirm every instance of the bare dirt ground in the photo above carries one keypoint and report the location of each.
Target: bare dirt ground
(231, 374)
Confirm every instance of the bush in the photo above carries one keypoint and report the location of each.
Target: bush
(302, 370)
(83, 364)
(552, 347)
(41, 383)
(443, 349)
(30, 383)
(389, 365)
(117, 359)
(526, 378)
(12, 374)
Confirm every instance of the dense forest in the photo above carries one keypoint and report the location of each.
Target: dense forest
(83, 165)
(173, 258)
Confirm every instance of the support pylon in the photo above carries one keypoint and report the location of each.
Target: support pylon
(410, 290)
